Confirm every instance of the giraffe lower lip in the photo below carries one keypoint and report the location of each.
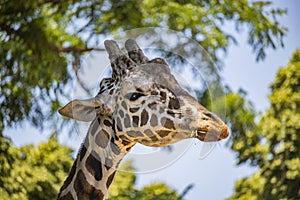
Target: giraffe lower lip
(207, 136)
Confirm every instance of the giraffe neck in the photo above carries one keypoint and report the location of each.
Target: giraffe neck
(96, 163)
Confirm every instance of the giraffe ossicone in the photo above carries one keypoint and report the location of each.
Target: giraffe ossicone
(141, 103)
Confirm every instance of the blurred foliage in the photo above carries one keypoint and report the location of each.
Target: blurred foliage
(272, 144)
(277, 150)
(33, 172)
(40, 39)
(239, 114)
(37, 173)
(200, 20)
(32, 72)
(123, 187)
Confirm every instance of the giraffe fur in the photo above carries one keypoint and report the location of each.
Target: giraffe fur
(141, 103)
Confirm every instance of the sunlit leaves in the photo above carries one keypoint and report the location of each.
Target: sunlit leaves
(158, 191)
(249, 188)
(272, 144)
(123, 187)
(33, 172)
(278, 130)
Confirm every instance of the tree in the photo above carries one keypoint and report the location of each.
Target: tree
(42, 41)
(278, 147)
(37, 173)
(33, 172)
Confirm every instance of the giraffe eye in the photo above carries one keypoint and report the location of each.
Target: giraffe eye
(134, 96)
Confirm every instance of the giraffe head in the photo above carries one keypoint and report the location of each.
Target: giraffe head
(146, 103)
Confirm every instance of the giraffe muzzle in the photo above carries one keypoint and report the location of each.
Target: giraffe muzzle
(212, 135)
(211, 128)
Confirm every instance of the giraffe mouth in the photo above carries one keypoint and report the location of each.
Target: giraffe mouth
(207, 135)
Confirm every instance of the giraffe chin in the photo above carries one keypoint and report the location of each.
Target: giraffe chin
(205, 137)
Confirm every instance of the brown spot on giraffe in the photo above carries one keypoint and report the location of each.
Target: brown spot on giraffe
(153, 92)
(173, 103)
(94, 166)
(135, 134)
(102, 138)
(90, 191)
(134, 110)
(110, 179)
(152, 105)
(153, 120)
(68, 196)
(124, 105)
(108, 163)
(119, 124)
(149, 133)
(163, 96)
(135, 121)
(127, 123)
(95, 127)
(82, 152)
(121, 113)
(114, 148)
(163, 133)
(144, 117)
(167, 123)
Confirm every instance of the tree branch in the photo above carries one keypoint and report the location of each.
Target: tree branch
(52, 1)
(186, 190)
(72, 49)
(7, 29)
(75, 66)
(76, 52)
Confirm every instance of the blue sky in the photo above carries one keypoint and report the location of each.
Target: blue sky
(215, 175)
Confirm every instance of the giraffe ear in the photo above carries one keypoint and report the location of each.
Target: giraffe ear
(81, 110)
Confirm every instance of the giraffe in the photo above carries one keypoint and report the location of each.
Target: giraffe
(141, 103)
